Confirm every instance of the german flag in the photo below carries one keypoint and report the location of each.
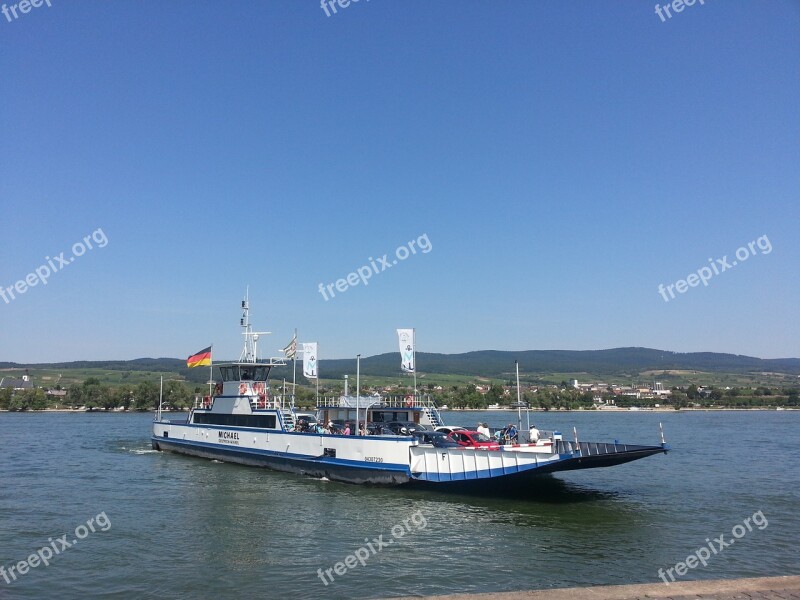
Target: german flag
(201, 359)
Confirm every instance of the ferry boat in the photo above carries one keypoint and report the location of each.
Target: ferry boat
(243, 422)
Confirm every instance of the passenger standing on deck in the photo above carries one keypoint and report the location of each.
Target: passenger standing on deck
(346, 429)
(511, 433)
(482, 428)
(533, 434)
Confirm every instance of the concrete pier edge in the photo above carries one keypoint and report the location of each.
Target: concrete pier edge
(758, 588)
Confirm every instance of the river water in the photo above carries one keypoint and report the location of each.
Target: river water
(168, 526)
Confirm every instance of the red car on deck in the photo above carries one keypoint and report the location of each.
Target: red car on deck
(473, 439)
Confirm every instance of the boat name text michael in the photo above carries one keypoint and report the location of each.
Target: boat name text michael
(229, 437)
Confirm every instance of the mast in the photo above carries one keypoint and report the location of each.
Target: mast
(160, 396)
(250, 350)
(294, 367)
(519, 401)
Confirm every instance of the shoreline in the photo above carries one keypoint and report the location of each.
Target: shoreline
(446, 410)
(621, 410)
(757, 588)
(83, 410)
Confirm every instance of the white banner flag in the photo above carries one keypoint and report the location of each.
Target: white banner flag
(310, 360)
(406, 349)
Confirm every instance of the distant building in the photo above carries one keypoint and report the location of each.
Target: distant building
(658, 390)
(23, 383)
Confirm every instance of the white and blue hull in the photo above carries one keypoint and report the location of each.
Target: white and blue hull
(351, 459)
(393, 460)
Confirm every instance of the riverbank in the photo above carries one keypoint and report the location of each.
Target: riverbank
(84, 411)
(761, 588)
(446, 410)
(625, 410)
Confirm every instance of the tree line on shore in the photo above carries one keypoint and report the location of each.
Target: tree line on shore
(92, 394)
(567, 398)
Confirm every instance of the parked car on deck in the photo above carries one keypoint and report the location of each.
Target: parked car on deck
(405, 427)
(439, 439)
(473, 439)
(378, 429)
(305, 422)
(448, 428)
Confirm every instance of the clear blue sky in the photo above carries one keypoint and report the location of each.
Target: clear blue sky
(563, 158)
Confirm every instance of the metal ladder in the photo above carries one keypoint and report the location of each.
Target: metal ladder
(287, 416)
(433, 416)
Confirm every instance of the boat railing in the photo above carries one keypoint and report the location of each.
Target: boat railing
(281, 402)
(395, 401)
(591, 448)
(423, 402)
(272, 402)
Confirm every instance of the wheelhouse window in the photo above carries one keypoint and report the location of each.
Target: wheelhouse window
(229, 373)
(258, 421)
(244, 372)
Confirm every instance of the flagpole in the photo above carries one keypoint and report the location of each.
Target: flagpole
(317, 399)
(358, 388)
(294, 364)
(210, 372)
(519, 399)
(414, 343)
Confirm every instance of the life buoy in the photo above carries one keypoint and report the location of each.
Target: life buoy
(242, 389)
(409, 401)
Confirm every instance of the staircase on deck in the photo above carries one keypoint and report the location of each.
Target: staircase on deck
(287, 416)
(433, 415)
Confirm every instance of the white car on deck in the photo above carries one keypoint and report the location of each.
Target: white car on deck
(448, 428)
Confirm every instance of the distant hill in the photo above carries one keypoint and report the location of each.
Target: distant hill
(500, 363)
(624, 362)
